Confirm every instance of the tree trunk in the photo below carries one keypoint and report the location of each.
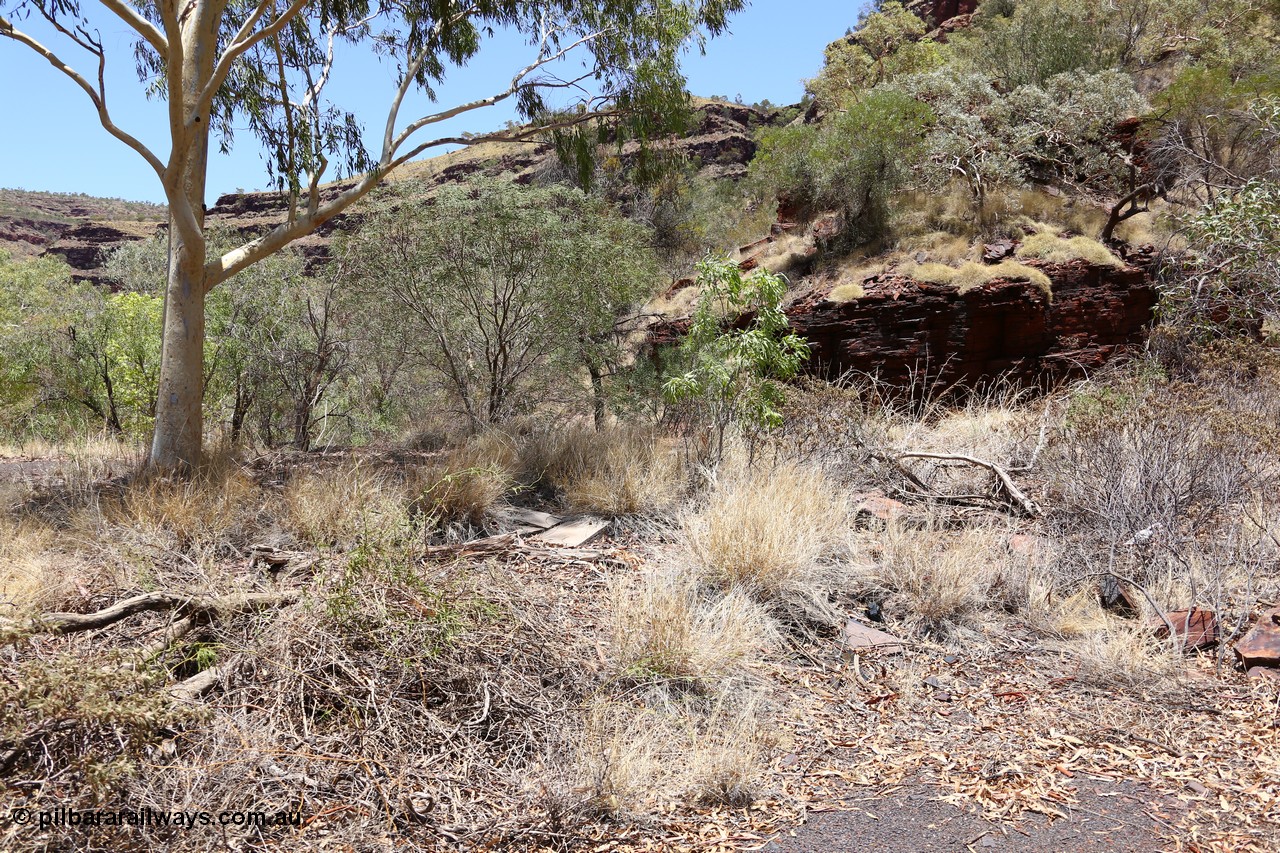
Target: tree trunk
(597, 394)
(179, 430)
(177, 442)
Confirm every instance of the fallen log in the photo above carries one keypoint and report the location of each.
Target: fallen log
(178, 603)
(1014, 496)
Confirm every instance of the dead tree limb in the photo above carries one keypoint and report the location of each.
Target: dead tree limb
(202, 682)
(1015, 496)
(183, 605)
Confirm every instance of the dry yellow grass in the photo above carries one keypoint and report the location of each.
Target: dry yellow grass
(665, 628)
(617, 471)
(1124, 654)
(941, 246)
(204, 513)
(1048, 246)
(934, 580)
(27, 566)
(334, 508)
(847, 292)
(970, 274)
(635, 759)
(770, 532)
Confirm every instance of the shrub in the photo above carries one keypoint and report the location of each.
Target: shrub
(1040, 38)
(732, 376)
(852, 162)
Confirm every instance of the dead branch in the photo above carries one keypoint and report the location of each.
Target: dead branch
(1015, 496)
(203, 681)
(184, 605)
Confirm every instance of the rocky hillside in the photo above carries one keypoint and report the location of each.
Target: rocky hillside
(78, 227)
(84, 234)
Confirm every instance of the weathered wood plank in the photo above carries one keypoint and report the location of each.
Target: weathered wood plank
(573, 533)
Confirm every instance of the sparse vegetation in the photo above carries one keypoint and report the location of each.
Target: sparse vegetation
(488, 557)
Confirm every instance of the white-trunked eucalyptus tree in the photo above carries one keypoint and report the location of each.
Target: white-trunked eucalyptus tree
(215, 63)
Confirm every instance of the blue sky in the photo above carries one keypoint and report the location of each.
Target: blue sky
(50, 138)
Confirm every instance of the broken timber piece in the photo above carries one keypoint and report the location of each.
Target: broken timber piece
(859, 637)
(530, 518)
(571, 534)
(1261, 646)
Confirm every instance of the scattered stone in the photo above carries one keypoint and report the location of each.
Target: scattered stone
(1261, 646)
(1264, 673)
(863, 637)
(1196, 628)
(878, 506)
(995, 252)
(951, 658)
(922, 257)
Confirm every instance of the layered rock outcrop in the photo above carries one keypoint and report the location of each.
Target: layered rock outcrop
(925, 336)
(903, 331)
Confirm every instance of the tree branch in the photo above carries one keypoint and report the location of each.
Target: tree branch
(7, 30)
(141, 26)
(1015, 495)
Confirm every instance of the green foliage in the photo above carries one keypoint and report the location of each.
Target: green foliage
(72, 354)
(732, 376)
(507, 288)
(852, 162)
(80, 723)
(888, 44)
(1058, 132)
(1232, 284)
(1040, 39)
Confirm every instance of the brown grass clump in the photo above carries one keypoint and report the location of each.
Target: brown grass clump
(27, 568)
(334, 508)
(457, 492)
(770, 532)
(665, 629)
(641, 759)
(618, 471)
(206, 513)
(934, 580)
(1124, 654)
